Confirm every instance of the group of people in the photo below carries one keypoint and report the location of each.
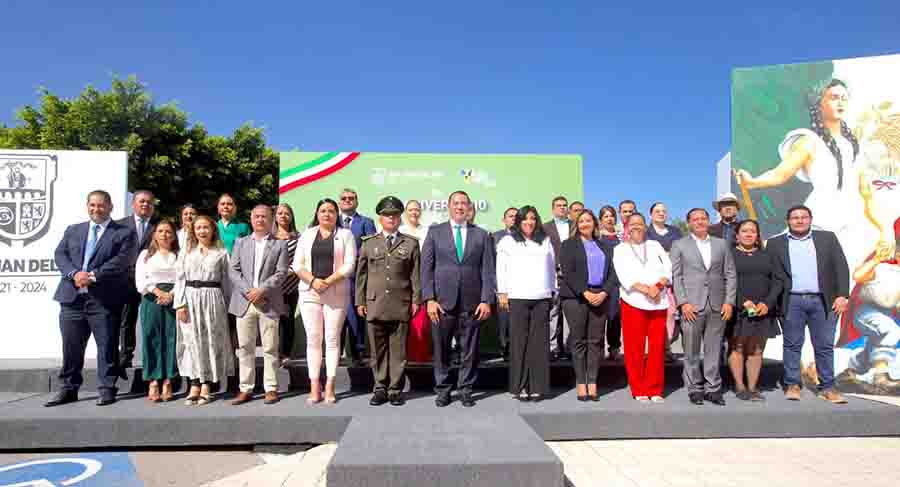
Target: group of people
(206, 289)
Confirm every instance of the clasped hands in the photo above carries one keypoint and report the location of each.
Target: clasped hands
(761, 309)
(82, 279)
(482, 312)
(595, 299)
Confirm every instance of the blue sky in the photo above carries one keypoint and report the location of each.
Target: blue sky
(641, 90)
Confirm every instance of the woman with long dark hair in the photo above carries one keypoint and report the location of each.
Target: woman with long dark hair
(286, 230)
(822, 155)
(526, 282)
(187, 212)
(324, 261)
(587, 280)
(606, 232)
(154, 275)
(759, 285)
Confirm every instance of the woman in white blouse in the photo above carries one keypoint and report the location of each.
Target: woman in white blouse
(644, 271)
(526, 282)
(324, 260)
(418, 342)
(154, 276)
(188, 213)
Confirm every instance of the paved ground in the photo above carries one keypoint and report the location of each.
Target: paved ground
(820, 462)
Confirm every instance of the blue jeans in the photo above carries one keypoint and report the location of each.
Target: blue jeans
(808, 310)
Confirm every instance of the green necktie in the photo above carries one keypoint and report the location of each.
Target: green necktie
(459, 243)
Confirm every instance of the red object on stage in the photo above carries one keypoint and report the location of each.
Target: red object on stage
(646, 371)
(418, 345)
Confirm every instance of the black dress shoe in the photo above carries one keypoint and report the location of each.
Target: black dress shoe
(467, 400)
(397, 399)
(715, 398)
(62, 397)
(583, 398)
(696, 398)
(442, 399)
(379, 398)
(106, 400)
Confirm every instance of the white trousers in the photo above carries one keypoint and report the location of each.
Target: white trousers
(247, 327)
(324, 319)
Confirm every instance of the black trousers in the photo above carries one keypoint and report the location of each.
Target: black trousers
(128, 326)
(467, 329)
(503, 330)
(614, 330)
(287, 326)
(587, 324)
(529, 358)
(79, 320)
(387, 340)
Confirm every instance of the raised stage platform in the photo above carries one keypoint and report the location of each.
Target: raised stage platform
(406, 445)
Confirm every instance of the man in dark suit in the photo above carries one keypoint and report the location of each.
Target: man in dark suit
(458, 285)
(93, 259)
(816, 286)
(361, 226)
(142, 224)
(509, 218)
(558, 230)
(728, 207)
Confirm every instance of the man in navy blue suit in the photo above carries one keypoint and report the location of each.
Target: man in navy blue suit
(93, 258)
(361, 226)
(143, 224)
(458, 285)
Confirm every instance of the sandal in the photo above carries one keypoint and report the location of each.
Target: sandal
(756, 396)
(205, 396)
(166, 391)
(193, 396)
(153, 393)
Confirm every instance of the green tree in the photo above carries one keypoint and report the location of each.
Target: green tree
(681, 225)
(179, 161)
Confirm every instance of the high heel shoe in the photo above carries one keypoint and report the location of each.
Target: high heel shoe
(166, 391)
(315, 392)
(330, 397)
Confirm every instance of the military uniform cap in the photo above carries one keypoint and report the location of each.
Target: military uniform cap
(389, 205)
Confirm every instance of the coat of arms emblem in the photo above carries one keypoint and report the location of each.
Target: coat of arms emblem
(26, 197)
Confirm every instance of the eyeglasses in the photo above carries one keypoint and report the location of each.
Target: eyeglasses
(348, 198)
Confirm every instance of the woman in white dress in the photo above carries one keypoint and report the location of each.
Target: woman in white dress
(822, 155)
(201, 285)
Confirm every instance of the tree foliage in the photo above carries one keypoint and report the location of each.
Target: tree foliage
(177, 160)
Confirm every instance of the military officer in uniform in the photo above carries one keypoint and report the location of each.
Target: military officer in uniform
(388, 292)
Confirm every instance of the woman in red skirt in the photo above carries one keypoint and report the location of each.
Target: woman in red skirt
(418, 345)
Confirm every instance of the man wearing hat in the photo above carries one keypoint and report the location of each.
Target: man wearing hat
(388, 293)
(728, 206)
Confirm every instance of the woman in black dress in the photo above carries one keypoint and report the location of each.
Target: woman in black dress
(758, 288)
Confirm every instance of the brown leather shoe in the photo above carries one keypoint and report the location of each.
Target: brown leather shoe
(832, 396)
(271, 397)
(241, 398)
(792, 393)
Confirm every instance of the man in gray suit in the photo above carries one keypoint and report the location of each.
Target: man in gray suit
(258, 266)
(458, 285)
(705, 282)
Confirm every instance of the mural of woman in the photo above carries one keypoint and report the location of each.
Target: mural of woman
(822, 155)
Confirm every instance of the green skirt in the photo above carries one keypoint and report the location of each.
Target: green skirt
(159, 337)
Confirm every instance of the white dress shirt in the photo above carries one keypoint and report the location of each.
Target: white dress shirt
(646, 263)
(463, 229)
(705, 248)
(158, 269)
(258, 256)
(419, 232)
(562, 227)
(525, 270)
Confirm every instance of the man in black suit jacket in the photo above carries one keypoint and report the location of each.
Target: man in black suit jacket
(728, 207)
(458, 285)
(558, 230)
(509, 218)
(142, 224)
(816, 286)
(92, 257)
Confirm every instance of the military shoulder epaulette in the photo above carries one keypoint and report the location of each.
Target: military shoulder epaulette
(408, 236)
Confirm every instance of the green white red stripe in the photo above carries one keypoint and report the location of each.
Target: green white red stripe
(314, 170)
